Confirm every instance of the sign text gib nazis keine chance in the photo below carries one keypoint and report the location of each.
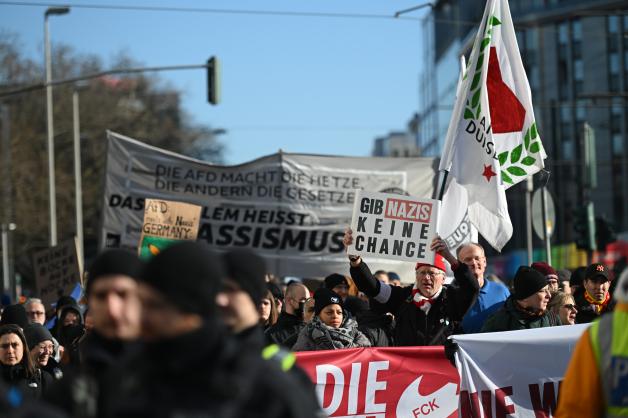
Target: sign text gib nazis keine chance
(393, 226)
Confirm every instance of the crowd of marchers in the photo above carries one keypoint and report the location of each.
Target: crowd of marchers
(192, 333)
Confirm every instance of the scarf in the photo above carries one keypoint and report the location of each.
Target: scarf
(529, 312)
(597, 306)
(421, 301)
(330, 338)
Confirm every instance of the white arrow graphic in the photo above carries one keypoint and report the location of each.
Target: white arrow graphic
(439, 404)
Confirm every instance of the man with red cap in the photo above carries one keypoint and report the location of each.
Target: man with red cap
(427, 312)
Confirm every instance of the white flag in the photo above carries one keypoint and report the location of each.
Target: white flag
(492, 141)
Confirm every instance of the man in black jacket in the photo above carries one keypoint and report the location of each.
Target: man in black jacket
(427, 312)
(190, 366)
(290, 322)
(113, 301)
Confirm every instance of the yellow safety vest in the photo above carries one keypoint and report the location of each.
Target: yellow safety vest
(285, 358)
(609, 339)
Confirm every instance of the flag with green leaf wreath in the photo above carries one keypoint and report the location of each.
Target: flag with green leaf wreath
(492, 142)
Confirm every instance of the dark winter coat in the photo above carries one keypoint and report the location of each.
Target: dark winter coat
(16, 376)
(286, 331)
(509, 318)
(412, 326)
(81, 390)
(204, 373)
(254, 337)
(586, 311)
(377, 327)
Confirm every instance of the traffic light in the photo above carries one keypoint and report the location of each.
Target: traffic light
(584, 227)
(213, 81)
(604, 233)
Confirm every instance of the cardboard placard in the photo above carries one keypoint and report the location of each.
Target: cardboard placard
(57, 271)
(165, 223)
(394, 226)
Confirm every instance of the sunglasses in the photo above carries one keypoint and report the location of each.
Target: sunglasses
(570, 306)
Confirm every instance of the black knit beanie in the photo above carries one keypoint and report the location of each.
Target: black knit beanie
(527, 282)
(334, 280)
(324, 297)
(113, 262)
(14, 314)
(36, 333)
(188, 275)
(247, 269)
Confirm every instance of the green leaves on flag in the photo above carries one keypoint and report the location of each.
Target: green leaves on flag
(517, 166)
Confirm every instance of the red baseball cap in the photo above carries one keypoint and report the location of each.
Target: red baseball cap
(439, 263)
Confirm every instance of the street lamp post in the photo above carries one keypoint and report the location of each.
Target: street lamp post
(77, 170)
(50, 127)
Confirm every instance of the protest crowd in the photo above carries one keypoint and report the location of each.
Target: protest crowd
(195, 325)
(194, 333)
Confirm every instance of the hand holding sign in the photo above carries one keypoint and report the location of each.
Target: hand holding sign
(440, 247)
(392, 226)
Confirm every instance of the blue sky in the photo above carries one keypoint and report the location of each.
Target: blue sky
(301, 84)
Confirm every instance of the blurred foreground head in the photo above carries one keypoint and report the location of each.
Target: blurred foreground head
(178, 290)
(112, 294)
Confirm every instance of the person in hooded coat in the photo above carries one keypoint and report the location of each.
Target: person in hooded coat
(16, 367)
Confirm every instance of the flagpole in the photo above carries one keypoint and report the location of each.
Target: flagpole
(443, 182)
(529, 188)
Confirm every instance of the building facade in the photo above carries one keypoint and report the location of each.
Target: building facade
(576, 58)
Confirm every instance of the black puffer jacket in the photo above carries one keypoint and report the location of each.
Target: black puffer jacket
(205, 373)
(412, 325)
(286, 331)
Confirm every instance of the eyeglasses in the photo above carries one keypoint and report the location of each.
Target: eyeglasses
(35, 313)
(6, 346)
(46, 347)
(570, 306)
(429, 273)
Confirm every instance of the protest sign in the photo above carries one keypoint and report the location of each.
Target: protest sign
(393, 226)
(291, 209)
(57, 271)
(502, 375)
(166, 223)
(497, 376)
(383, 382)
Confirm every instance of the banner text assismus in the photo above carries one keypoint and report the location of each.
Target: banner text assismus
(290, 208)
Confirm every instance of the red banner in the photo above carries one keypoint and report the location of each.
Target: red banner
(384, 382)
